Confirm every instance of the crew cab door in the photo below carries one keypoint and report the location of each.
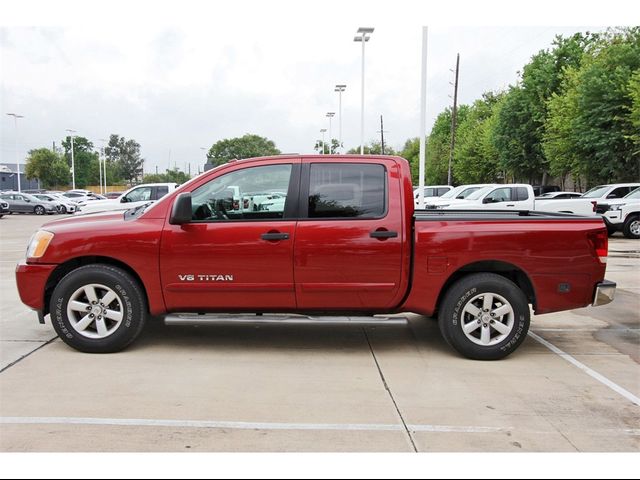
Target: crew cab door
(228, 258)
(349, 240)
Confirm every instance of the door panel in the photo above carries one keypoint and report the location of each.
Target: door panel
(348, 263)
(233, 257)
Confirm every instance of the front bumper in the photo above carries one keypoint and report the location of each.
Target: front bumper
(605, 292)
(32, 280)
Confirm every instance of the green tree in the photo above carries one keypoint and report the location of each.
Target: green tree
(411, 152)
(634, 93)
(48, 167)
(246, 146)
(591, 123)
(335, 146)
(476, 158)
(84, 159)
(439, 146)
(123, 159)
(373, 148)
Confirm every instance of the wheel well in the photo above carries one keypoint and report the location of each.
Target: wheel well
(507, 270)
(70, 265)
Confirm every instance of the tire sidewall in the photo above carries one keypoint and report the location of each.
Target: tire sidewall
(451, 315)
(133, 304)
(627, 226)
(39, 210)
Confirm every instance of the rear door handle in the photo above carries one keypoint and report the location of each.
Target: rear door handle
(273, 236)
(383, 234)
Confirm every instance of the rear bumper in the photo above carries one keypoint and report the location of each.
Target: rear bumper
(605, 292)
(32, 280)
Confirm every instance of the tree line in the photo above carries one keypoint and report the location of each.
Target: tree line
(53, 166)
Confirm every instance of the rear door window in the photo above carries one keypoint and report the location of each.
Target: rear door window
(161, 191)
(347, 190)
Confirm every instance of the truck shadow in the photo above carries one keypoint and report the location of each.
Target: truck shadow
(420, 332)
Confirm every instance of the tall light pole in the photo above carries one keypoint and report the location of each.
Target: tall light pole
(330, 116)
(73, 162)
(15, 121)
(423, 117)
(103, 175)
(364, 35)
(322, 130)
(340, 89)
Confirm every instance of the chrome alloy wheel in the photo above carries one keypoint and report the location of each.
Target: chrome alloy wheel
(634, 228)
(95, 311)
(487, 319)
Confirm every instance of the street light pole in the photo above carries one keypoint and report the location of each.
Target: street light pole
(340, 89)
(365, 34)
(15, 121)
(73, 163)
(103, 174)
(330, 115)
(322, 130)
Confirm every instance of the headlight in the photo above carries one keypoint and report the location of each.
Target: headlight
(39, 243)
(617, 207)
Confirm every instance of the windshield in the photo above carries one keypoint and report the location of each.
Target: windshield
(478, 193)
(453, 193)
(596, 192)
(634, 193)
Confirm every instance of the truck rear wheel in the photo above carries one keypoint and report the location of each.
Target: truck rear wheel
(631, 227)
(484, 316)
(98, 309)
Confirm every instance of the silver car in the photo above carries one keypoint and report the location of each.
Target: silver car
(26, 203)
(63, 204)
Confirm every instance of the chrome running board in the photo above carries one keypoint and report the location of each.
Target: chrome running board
(235, 319)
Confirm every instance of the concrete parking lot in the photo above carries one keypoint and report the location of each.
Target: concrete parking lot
(572, 386)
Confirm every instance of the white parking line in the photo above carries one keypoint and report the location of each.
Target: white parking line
(138, 422)
(592, 373)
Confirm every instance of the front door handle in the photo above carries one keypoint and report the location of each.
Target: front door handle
(274, 236)
(383, 234)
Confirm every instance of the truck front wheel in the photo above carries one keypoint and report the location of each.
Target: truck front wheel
(484, 316)
(98, 309)
(631, 227)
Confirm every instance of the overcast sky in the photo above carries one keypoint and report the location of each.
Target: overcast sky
(178, 76)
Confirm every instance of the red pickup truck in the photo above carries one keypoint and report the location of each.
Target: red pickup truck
(323, 235)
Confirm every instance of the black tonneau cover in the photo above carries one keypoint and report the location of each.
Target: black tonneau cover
(468, 215)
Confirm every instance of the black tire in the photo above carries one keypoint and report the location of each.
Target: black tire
(452, 316)
(130, 303)
(610, 230)
(61, 209)
(39, 210)
(631, 226)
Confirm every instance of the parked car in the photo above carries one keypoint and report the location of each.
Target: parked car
(112, 195)
(25, 203)
(558, 195)
(132, 198)
(458, 193)
(430, 192)
(519, 196)
(63, 204)
(542, 189)
(347, 240)
(624, 215)
(82, 196)
(4, 208)
(603, 193)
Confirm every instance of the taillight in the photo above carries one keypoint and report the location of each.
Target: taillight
(236, 205)
(595, 205)
(600, 242)
(246, 203)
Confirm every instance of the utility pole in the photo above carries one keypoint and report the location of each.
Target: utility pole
(15, 122)
(453, 119)
(381, 132)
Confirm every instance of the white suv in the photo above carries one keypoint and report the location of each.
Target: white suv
(623, 214)
(138, 195)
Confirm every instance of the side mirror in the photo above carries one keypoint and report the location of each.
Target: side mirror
(487, 200)
(181, 210)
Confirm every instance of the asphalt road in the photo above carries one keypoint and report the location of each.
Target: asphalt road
(572, 386)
